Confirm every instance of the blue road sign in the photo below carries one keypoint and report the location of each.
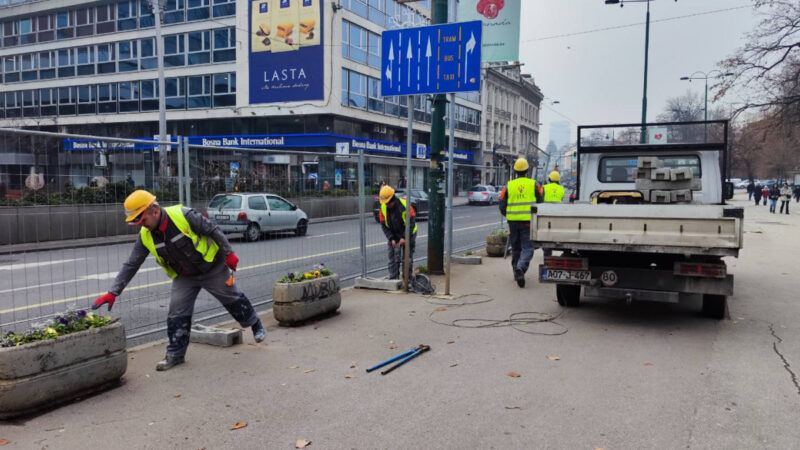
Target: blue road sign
(431, 60)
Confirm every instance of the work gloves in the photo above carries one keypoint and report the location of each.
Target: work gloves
(231, 261)
(105, 298)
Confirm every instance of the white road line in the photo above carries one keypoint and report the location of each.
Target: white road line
(326, 235)
(97, 276)
(38, 264)
(462, 217)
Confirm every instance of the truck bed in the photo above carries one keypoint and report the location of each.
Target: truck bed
(649, 228)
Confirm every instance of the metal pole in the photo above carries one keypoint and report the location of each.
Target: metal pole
(436, 173)
(180, 171)
(187, 171)
(642, 137)
(361, 224)
(407, 258)
(449, 211)
(705, 115)
(162, 103)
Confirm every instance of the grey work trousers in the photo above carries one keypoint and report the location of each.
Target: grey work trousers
(395, 267)
(519, 238)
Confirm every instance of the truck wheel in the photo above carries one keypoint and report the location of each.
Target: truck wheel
(568, 295)
(714, 306)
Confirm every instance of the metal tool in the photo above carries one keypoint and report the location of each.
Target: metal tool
(403, 357)
(231, 279)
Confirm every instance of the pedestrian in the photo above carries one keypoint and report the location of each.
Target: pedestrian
(786, 197)
(516, 200)
(750, 188)
(129, 180)
(797, 193)
(393, 217)
(774, 195)
(757, 193)
(195, 254)
(553, 193)
(765, 194)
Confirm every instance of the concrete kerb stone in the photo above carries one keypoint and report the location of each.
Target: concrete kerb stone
(466, 259)
(219, 337)
(378, 284)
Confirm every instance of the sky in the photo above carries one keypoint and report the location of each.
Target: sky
(597, 77)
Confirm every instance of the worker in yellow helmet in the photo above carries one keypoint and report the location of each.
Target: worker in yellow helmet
(516, 200)
(195, 254)
(393, 216)
(553, 193)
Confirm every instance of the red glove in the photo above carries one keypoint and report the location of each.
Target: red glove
(231, 261)
(105, 298)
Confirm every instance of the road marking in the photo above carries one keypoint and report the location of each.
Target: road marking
(38, 264)
(98, 276)
(462, 217)
(255, 266)
(326, 235)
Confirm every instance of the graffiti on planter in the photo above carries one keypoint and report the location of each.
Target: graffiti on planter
(322, 289)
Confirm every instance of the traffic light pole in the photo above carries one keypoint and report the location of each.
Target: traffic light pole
(436, 172)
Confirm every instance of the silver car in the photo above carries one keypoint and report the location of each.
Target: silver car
(255, 214)
(483, 193)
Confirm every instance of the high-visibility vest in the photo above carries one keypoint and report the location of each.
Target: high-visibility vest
(386, 217)
(553, 193)
(521, 197)
(203, 244)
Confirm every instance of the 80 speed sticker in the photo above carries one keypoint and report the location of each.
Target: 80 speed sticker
(609, 278)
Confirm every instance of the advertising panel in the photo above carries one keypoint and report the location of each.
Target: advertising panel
(286, 51)
(500, 26)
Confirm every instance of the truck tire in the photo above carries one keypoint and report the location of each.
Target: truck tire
(714, 306)
(568, 295)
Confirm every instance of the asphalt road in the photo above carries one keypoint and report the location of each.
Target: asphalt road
(38, 284)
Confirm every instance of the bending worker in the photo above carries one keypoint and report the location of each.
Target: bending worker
(516, 200)
(195, 254)
(553, 193)
(393, 223)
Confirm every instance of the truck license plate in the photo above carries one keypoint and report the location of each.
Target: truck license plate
(566, 275)
(222, 217)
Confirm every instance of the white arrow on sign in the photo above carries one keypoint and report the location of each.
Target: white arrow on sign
(409, 57)
(389, 67)
(428, 55)
(469, 49)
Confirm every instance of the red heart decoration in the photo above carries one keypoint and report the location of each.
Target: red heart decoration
(658, 136)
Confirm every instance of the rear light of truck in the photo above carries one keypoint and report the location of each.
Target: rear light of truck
(242, 217)
(559, 262)
(704, 270)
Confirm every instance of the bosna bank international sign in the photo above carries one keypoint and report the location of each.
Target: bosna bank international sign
(286, 51)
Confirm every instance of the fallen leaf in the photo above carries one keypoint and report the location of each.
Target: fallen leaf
(451, 342)
(453, 365)
(3, 441)
(302, 443)
(309, 370)
(412, 312)
(392, 347)
(294, 367)
(441, 309)
(553, 358)
(176, 395)
(352, 365)
(239, 425)
(647, 364)
(599, 448)
(349, 377)
(513, 374)
(513, 407)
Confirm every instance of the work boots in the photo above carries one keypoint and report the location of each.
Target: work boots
(259, 332)
(169, 362)
(519, 276)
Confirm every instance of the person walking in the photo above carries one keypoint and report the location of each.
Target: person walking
(393, 217)
(786, 197)
(774, 195)
(796, 193)
(553, 193)
(516, 200)
(765, 194)
(195, 255)
(750, 188)
(757, 194)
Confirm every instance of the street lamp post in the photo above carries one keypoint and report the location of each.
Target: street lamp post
(157, 8)
(705, 76)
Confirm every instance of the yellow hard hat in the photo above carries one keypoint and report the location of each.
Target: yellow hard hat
(386, 194)
(521, 165)
(136, 203)
(555, 176)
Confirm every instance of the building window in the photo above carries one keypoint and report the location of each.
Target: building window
(357, 97)
(47, 65)
(199, 91)
(30, 103)
(197, 10)
(66, 63)
(66, 101)
(10, 33)
(106, 62)
(48, 99)
(84, 22)
(146, 17)
(224, 44)
(175, 93)
(224, 90)
(390, 105)
(375, 102)
(85, 60)
(174, 51)
(129, 96)
(126, 15)
(64, 25)
(174, 11)
(147, 54)
(149, 95)
(27, 31)
(374, 58)
(128, 56)
(13, 108)
(45, 28)
(11, 68)
(87, 99)
(344, 87)
(28, 63)
(224, 8)
(107, 98)
(199, 48)
(357, 41)
(106, 22)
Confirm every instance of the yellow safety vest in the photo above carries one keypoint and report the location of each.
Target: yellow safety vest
(553, 193)
(521, 197)
(204, 245)
(386, 217)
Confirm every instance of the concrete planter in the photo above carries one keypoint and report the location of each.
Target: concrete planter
(295, 303)
(496, 245)
(46, 373)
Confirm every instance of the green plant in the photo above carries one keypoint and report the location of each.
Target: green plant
(69, 322)
(317, 271)
(422, 269)
(468, 253)
(499, 233)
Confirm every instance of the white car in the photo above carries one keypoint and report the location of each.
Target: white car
(484, 194)
(256, 213)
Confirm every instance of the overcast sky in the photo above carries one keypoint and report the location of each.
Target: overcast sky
(597, 77)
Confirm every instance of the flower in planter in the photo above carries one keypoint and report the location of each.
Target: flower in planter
(318, 271)
(70, 322)
(317, 274)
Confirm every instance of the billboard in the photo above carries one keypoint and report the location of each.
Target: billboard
(500, 26)
(286, 51)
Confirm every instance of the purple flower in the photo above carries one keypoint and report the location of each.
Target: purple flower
(63, 321)
(10, 333)
(82, 313)
(291, 275)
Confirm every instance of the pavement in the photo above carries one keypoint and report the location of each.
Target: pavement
(603, 375)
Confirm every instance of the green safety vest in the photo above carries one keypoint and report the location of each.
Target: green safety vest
(553, 193)
(521, 197)
(203, 244)
(386, 217)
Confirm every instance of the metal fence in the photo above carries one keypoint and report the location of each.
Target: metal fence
(63, 237)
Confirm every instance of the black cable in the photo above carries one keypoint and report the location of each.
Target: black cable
(515, 320)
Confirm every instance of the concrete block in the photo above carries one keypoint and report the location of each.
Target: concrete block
(643, 174)
(464, 259)
(649, 162)
(681, 174)
(495, 250)
(379, 284)
(306, 290)
(661, 175)
(296, 312)
(220, 337)
(647, 185)
(680, 196)
(660, 197)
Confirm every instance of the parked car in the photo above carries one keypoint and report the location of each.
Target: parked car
(419, 201)
(483, 193)
(256, 213)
